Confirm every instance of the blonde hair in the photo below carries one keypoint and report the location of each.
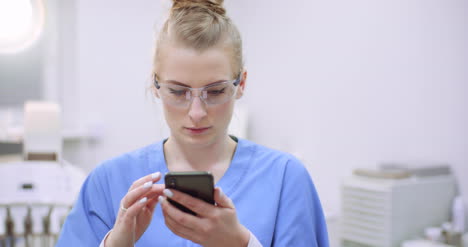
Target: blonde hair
(201, 24)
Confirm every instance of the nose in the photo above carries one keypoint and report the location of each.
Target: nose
(197, 110)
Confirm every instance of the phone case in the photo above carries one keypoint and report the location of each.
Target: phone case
(196, 184)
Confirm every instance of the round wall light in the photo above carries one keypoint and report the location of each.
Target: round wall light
(21, 23)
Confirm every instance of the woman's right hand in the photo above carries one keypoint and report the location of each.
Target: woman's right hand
(136, 211)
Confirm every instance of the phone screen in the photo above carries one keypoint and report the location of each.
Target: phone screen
(196, 184)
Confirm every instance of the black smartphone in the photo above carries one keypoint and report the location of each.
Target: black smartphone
(196, 184)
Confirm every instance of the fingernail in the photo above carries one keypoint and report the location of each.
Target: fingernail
(168, 193)
(147, 185)
(160, 199)
(143, 200)
(155, 175)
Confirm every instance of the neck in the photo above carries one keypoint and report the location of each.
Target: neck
(215, 157)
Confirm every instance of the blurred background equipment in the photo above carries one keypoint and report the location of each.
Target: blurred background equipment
(38, 190)
(387, 206)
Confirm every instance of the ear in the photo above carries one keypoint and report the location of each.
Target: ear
(241, 88)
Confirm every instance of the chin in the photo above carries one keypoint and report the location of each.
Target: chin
(203, 140)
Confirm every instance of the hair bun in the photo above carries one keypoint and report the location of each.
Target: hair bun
(215, 6)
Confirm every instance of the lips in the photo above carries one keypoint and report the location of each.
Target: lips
(197, 130)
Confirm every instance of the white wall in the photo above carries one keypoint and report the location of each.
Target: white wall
(349, 84)
(343, 84)
(115, 41)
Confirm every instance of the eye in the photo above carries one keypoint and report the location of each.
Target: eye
(177, 92)
(216, 91)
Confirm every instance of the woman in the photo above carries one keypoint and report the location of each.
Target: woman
(267, 197)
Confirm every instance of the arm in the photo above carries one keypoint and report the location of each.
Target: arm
(102, 244)
(90, 218)
(300, 220)
(253, 241)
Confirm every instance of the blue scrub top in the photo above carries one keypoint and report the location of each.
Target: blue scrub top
(272, 191)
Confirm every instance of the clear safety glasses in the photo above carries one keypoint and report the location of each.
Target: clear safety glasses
(182, 96)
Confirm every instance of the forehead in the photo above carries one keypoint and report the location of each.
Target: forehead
(192, 67)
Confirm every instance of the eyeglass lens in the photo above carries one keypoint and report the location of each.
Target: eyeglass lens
(211, 95)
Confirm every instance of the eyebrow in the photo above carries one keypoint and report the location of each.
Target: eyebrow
(185, 85)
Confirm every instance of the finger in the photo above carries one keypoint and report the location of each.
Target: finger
(179, 229)
(222, 200)
(145, 215)
(201, 208)
(152, 204)
(136, 208)
(155, 191)
(151, 177)
(148, 190)
(185, 219)
(172, 223)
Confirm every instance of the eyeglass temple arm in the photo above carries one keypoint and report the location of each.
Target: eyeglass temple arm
(155, 81)
(237, 81)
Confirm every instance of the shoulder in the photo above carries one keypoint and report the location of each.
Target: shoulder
(130, 165)
(273, 164)
(272, 158)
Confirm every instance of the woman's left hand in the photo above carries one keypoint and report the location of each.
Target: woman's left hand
(212, 226)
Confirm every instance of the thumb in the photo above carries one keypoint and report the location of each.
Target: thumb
(221, 199)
